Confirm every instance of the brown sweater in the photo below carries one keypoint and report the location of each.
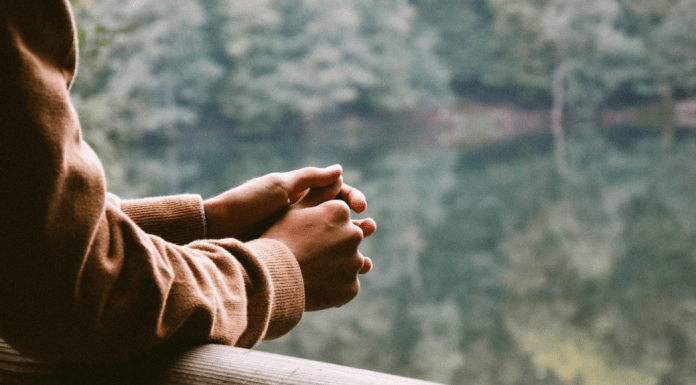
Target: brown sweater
(84, 276)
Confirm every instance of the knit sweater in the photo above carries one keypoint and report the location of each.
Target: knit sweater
(85, 276)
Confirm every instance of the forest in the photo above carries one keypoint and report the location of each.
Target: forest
(531, 165)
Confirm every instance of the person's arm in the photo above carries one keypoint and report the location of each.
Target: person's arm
(79, 280)
(244, 212)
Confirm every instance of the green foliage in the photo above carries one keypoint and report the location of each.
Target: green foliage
(307, 57)
(143, 70)
(664, 28)
(673, 47)
(607, 44)
(464, 28)
(533, 40)
(521, 52)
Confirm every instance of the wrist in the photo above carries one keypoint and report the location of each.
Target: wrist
(212, 211)
(205, 220)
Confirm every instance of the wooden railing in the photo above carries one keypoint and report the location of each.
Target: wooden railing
(206, 365)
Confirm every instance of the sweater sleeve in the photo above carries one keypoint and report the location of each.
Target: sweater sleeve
(80, 281)
(177, 219)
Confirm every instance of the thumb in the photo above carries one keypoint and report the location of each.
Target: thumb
(299, 181)
(317, 196)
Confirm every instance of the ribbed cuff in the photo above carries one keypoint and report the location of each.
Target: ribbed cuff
(287, 304)
(177, 218)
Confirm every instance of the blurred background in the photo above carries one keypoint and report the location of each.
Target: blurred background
(531, 165)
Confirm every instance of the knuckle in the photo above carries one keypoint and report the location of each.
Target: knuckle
(352, 290)
(355, 265)
(338, 208)
(352, 237)
(357, 233)
(276, 179)
(278, 184)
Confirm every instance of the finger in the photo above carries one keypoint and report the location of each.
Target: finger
(355, 199)
(299, 181)
(292, 198)
(317, 196)
(368, 226)
(367, 266)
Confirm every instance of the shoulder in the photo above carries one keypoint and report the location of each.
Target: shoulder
(45, 28)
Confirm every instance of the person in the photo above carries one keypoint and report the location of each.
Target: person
(86, 277)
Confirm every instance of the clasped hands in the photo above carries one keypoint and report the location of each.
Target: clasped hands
(309, 211)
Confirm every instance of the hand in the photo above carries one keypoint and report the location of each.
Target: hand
(324, 239)
(245, 212)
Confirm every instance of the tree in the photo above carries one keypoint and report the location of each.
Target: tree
(558, 47)
(464, 30)
(673, 49)
(666, 28)
(144, 69)
(306, 57)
